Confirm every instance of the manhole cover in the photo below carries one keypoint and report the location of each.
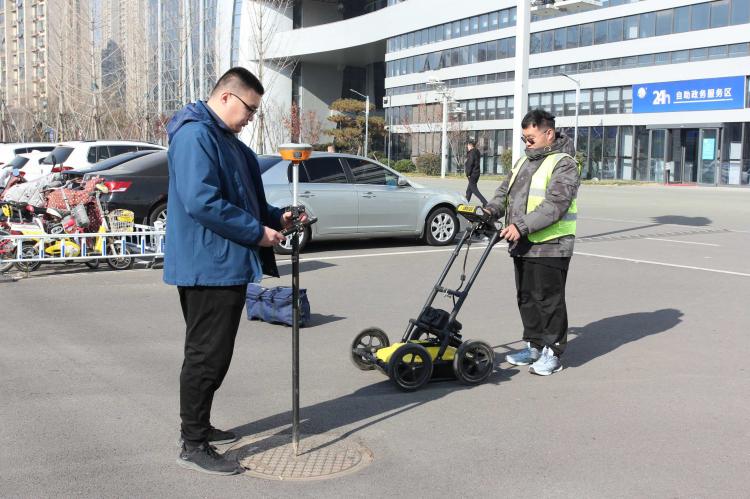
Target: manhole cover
(320, 456)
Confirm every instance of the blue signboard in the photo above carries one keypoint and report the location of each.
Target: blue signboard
(690, 95)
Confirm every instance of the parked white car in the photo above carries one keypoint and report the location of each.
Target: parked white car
(9, 151)
(78, 155)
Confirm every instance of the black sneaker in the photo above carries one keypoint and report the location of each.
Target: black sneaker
(204, 458)
(221, 437)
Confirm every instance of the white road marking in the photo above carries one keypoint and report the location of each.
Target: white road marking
(681, 242)
(593, 255)
(663, 264)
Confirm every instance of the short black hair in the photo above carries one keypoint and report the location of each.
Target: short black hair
(472, 142)
(238, 78)
(538, 118)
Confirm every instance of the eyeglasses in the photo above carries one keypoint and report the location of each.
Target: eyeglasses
(250, 110)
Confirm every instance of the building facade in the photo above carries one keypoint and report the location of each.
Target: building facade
(663, 83)
(43, 73)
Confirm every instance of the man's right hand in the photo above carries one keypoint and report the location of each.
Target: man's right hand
(270, 238)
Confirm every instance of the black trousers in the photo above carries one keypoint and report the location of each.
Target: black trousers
(540, 292)
(473, 189)
(212, 316)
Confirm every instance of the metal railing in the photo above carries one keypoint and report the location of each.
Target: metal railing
(143, 242)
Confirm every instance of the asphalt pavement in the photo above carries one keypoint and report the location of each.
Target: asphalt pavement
(652, 401)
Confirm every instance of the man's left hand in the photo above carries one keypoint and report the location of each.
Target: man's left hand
(510, 233)
(286, 219)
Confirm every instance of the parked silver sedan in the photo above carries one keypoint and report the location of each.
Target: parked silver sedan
(355, 198)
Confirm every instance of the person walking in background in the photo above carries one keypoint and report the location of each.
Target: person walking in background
(471, 168)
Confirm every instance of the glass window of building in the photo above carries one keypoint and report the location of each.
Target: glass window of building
(681, 20)
(493, 20)
(558, 103)
(456, 29)
(739, 49)
(545, 101)
(613, 100)
(679, 56)
(482, 52)
(717, 52)
(571, 37)
(740, 12)
(598, 100)
(509, 104)
(417, 38)
(465, 27)
(410, 40)
(473, 53)
(587, 35)
(570, 103)
(629, 62)
(609, 168)
(631, 27)
(700, 15)
(720, 13)
(474, 25)
(698, 54)
(547, 41)
(504, 18)
(471, 110)
(613, 63)
(535, 43)
(600, 32)
(502, 112)
(491, 111)
(481, 109)
(503, 49)
(584, 67)
(492, 50)
(584, 106)
(600, 65)
(664, 22)
(627, 100)
(533, 101)
(484, 23)
(662, 58)
(560, 35)
(647, 25)
(614, 30)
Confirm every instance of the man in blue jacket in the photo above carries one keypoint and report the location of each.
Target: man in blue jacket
(220, 236)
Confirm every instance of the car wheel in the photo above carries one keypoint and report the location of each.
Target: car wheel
(285, 247)
(441, 227)
(159, 214)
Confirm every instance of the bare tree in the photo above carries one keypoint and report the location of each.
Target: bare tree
(265, 25)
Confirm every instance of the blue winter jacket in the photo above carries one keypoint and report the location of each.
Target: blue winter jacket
(217, 207)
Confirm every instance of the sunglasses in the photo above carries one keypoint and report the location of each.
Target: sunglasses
(532, 140)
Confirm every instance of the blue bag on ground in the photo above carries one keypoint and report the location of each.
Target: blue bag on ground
(274, 305)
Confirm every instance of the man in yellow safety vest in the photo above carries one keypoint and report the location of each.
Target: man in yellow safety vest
(538, 199)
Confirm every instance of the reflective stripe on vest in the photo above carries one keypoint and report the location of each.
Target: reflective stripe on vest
(566, 226)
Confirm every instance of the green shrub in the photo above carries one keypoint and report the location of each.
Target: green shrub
(404, 166)
(506, 160)
(428, 164)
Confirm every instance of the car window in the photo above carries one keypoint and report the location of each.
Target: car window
(121, 149)
(59, 155)
(24, 150)
(102, 152)
(91, 158)
(367, 172)
(326, 170)
(148, 148)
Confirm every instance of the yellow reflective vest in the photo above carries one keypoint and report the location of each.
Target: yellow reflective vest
(566, 226)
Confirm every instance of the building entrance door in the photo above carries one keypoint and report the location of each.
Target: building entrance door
(708, 155)
(685, 155)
